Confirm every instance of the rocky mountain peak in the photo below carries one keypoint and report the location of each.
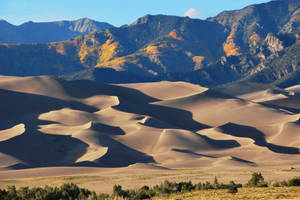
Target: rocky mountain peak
(143, 20)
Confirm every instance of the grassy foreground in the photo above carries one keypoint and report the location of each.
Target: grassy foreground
(256, 188)
(269, 193)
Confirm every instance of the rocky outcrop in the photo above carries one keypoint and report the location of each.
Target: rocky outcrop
(273, 44)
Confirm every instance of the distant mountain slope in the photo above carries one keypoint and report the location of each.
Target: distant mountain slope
(265, 38)
(258, 43)
(37, 32)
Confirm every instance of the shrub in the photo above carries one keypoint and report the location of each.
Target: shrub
(283, 184)
(185, 186)
(142, 194)
(291, 182)
(276, 184)
(256, 179)
(3, 194)
(207, 186)
(233, 189)
(262, 184)
(216, 182)
(294, 182)
(66, 191)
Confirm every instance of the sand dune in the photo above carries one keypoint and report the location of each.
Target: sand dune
(164, 90)
(257, 136)
(68, 116)
(49, 122)
(12, 132)
(214, 109)
(255, 92)
(291, 104)
(294, 89)
(40, 85)
(288, 135)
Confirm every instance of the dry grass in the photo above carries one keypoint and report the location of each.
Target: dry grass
(243, 194)
(82, 181)
(103, 181)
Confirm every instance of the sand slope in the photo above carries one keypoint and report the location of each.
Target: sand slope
(49, 122)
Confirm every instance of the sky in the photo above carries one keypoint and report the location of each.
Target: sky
(115, 12)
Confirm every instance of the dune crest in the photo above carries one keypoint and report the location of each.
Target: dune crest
(12, 132)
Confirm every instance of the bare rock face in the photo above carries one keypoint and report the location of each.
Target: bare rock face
(293, 22)
(273, 43)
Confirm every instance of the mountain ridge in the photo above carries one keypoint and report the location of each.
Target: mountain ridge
(37, 32)
(244, 44)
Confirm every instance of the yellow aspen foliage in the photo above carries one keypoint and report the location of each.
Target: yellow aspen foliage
(229, 46)
(198, 61)
(173, 34)
(155, 48)
(108, 50)
(256, 38)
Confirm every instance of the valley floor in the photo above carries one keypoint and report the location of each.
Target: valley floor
(134, 177)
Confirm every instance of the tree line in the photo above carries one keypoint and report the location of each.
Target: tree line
(70, 191)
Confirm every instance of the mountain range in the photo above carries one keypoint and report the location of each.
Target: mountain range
(259, 43)
(37, 32)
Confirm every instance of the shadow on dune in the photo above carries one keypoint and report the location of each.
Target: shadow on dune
(193, 153)
(133, 101)
(17, 107)
(107, 129)
(212, 93)
(220, 144)
(18, 166)
(213, 156)
(279, 107)
(24, 119)
(175, 117)
(156, 123)
(292, 104)
(256, 135)
(243, 161)
(85, 89)
(14, 103)
(36, 149)
(120, 155)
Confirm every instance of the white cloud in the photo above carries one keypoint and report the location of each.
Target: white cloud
(192, 13)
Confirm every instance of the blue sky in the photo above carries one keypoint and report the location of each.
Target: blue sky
(116, 12)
